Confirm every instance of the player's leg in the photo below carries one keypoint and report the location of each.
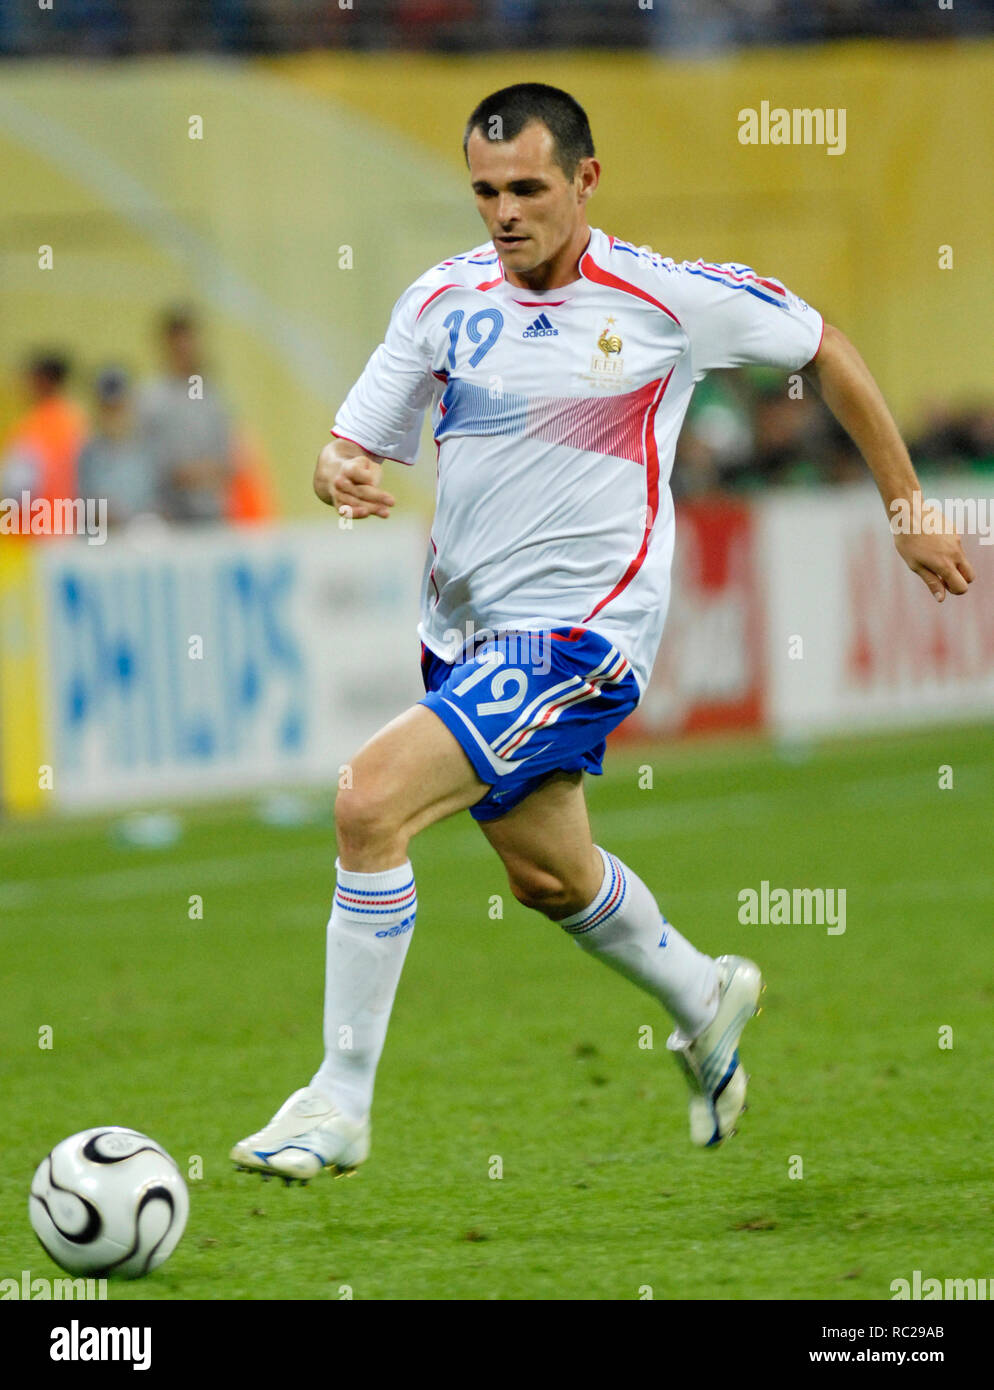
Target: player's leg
(554, 867)
(408, 776)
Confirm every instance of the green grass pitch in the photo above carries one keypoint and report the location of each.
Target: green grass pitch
(509, 1043)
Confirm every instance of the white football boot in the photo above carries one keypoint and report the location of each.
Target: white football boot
(711, 1060)
(305, 1135)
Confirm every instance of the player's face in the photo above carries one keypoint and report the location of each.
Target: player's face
(535, 215)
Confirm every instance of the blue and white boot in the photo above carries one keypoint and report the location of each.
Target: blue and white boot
(305, 1135)
(710, 1061)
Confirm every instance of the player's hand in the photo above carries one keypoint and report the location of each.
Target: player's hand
(350, 482)
(935, 553)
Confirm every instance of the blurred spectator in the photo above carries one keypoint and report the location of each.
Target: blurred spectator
(115, 464)
(950, 438)
(185, 423)
(942, 437)
(247, 26)
(41, 452)
(980, 435)
(250, 495)
(445, 24)
(788, 435)
(747, 429)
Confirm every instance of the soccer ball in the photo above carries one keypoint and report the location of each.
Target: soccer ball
(108, 1201)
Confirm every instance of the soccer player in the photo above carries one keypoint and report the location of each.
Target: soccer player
(559, 363)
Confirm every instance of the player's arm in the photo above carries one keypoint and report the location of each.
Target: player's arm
(385, 408)
(845, 384)
(346, 476)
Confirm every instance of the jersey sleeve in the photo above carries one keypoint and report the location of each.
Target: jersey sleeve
(384, 410)
(736, 318)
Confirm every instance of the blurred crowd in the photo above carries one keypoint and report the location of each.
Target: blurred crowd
(110, 27)
(748, 429)
(166, 449)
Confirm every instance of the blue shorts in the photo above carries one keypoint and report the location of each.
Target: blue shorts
(526, 704)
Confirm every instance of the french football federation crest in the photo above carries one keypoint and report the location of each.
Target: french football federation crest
(607, 366)
(609, 342)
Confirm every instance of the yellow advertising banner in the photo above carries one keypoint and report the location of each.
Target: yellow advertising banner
(21, 680)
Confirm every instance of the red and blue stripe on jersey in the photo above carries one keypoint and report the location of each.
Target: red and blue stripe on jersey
(741, 277)
(610, 425)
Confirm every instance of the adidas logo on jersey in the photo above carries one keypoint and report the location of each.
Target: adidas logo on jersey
(541, 328)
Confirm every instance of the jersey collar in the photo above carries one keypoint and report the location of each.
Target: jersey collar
(546, 299)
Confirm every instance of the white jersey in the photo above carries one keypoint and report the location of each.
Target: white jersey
(556, 418)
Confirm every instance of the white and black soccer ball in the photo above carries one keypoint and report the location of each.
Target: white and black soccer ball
(108, 1201)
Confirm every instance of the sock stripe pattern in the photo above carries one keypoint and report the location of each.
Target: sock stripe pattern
(610, 900)
(363, 903)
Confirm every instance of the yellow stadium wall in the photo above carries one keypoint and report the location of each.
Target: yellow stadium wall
(303, 155)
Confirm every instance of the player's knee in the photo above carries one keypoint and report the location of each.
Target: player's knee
(541, 891)
(363, 817)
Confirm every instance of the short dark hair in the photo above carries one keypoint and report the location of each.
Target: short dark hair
(178, 318)
(50, 367)
(516, 106)
(112, 385)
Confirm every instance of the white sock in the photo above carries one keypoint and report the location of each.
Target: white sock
(625, 929)
(368, 935)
